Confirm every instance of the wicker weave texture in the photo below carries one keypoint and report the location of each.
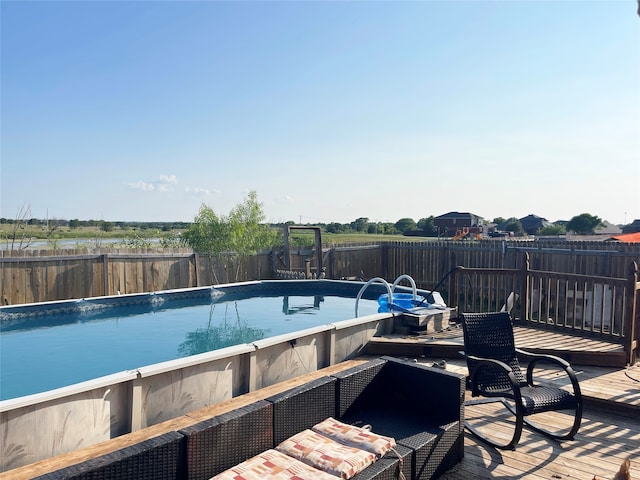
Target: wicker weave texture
(217, 444)
(490, 335)
(158, 458)
(302, 407)
(421, 407)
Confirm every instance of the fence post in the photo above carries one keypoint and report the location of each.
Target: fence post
(105, 273)
(453, 283)
(196, 267)
(631, 317)
(385, 260)
(524, 288)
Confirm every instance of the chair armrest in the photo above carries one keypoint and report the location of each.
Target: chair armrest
(537, 357)
(543, 357)
(479, 363)
(487, 361)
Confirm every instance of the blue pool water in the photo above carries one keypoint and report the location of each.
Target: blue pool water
(43, 352)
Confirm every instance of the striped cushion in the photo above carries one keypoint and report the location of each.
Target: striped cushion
(326, 454)
(273, 465)
(357, 437)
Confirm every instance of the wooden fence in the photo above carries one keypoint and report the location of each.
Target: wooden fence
(586, 287)
(28, 276)
(36, 276)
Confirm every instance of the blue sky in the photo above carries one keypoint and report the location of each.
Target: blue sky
(329, 110)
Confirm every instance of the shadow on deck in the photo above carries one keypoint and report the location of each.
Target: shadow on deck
(577, 350)
(610, 430)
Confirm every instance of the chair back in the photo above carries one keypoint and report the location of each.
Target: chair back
(490, 335)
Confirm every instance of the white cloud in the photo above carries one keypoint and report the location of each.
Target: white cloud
(162, 185)
(168, 179)
(144, 186)
(284, 199)
(198, 191)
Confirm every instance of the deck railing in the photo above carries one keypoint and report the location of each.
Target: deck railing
(586, 305)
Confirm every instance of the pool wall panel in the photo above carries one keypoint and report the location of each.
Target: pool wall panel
(176, 392)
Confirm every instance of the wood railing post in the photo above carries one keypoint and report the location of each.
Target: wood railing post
(105, 273)
(385, 260)
(632, 315)
(196, 268)
(453, 284)
(524, 288)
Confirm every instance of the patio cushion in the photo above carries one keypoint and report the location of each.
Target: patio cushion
(273, 465)
(358, 437)
(326, 454)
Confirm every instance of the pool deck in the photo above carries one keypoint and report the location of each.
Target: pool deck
(448, 342)
(610, 432)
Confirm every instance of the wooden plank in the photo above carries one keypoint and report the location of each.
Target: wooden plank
(601, 445)
(447, 344)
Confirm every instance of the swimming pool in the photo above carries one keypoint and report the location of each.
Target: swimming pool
(55, 344)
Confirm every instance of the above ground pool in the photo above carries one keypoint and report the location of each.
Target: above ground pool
(55, 344)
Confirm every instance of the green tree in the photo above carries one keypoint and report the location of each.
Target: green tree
(105, 226)
(552, 230)
(513, 225)
(584, 224)
(427, 226)
(233, 237)
(335, 227)
(405, 225)
(360, 224)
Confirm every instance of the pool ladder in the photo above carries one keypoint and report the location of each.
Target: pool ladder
(390, 288)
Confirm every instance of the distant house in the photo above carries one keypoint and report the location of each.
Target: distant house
(633, 227)
(532, 223)
(608, 229)
(452, 223)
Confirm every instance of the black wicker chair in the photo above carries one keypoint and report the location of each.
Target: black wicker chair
(495, 374)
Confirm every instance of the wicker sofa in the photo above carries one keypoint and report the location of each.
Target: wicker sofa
(420, 407)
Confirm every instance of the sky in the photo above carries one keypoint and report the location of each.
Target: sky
(329, 110)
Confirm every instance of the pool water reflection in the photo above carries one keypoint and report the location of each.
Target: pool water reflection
(43, 353)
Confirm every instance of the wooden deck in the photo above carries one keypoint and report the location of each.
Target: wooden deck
(448, 343)
(601, 445)
(610, 432)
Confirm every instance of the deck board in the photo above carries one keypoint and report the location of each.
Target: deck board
(601, 445)
(610, 432)
(576, 349)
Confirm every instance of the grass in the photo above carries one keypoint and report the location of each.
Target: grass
(95, 235)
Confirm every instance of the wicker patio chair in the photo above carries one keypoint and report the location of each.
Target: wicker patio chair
(495, 375)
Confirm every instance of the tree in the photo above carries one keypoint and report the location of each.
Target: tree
(230, 238)
(360, 224)
(584, 224)
(105, 226)
(427, 225)
(513, 225)
(550, 230)
(18, 238)
(405, 225)
(335, 227)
